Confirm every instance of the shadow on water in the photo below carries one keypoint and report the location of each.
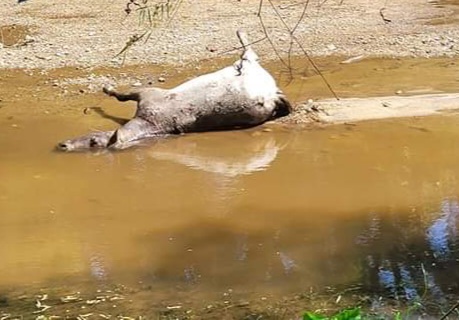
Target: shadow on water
(383, 254)
(422, 261)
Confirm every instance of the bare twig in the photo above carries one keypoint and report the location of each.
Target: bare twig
(291, 5)
(151, 15)
(303, 14)
(241, 47)
(381, 13)
(450, 311)
(294, 38)
(265, 31)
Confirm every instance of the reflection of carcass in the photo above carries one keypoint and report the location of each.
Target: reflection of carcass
(227, 155)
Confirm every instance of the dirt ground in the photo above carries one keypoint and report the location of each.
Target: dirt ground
(49, 49)
(90, 33)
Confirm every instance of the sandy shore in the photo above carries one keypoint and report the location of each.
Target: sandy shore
(84, 35)
(90, 33)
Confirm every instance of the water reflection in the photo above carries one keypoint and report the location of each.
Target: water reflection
(240, 155)
(415, 265)
(225, 157)
(442, 234)
(293, 255)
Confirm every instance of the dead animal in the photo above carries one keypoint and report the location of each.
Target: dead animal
(240, 96)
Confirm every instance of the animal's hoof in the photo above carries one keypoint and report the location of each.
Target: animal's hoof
(108, 89)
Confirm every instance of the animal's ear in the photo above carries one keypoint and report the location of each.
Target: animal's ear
(113, 139)
(283, 107)
(120, 139)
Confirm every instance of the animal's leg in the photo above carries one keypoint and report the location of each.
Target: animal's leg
(133, 131)
(133, 95)
(248, 54)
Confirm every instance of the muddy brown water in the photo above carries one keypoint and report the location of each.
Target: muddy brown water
(260, 213)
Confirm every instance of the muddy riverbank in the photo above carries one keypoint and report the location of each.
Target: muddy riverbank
(254, 224)
(74, 94)
(70, 51)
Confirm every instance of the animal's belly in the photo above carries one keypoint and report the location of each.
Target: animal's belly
(221, 117)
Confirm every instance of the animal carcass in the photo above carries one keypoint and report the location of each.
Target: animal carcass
(239, 96)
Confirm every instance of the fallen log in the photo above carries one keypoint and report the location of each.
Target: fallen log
(332, 111)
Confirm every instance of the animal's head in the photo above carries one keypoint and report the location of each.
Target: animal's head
(95, 140)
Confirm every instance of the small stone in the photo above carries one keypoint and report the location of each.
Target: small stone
(211, 49)
(3, 301)
(161, 79)
(137, 84)
(29, 38)
(398, 92)
(87, 110)
(173, 307)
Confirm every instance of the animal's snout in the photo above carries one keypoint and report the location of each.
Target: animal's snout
(63, 146)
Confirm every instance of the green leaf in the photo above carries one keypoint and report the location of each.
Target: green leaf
(312, 316)
(348, 314)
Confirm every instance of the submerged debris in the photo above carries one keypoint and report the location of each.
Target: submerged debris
(40, 306)
(70, 298)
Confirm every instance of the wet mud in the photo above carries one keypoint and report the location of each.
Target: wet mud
(11, 35)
